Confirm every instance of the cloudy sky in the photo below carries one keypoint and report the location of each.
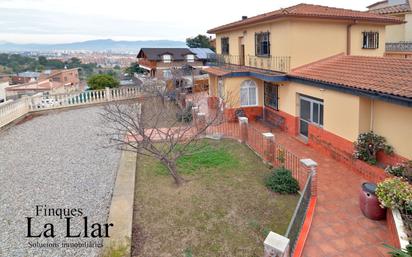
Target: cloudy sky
(57, 21)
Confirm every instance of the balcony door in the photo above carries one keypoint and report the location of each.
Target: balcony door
(241, 52)
(311, 112)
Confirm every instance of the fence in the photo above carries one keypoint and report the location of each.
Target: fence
(13, 110)
(274, 63)
(299, 215)
(278, 155)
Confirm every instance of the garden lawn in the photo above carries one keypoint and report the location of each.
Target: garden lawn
(223, 209)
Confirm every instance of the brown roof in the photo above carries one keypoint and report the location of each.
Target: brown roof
(400, 8)
(217, 71)
(311, 11)
(390, 76)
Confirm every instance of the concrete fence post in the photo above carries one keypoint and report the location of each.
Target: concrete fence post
(195, 111)
(243, 124)
(108, 94)
(268, 147)
(276, 245)
(311, 165)
(201, 122)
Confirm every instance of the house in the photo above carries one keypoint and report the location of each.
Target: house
(24, 77)
(49, 81)
(317, 72)
(161, 63)
(205, 55)
(399, 36)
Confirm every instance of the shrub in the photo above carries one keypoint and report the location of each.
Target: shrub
(281, 181)
(397, 170)
(394, 193)
(400, 252)
(368, 145)
(185, 115)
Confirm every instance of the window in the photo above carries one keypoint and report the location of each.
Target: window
(190, 58)
(167, 74)
(370, 40)
(225, 45)
(248, 93)
(262, 44)
(271, 95)
(167, 58)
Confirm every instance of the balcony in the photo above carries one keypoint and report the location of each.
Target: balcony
(399, 47)
(236, 62)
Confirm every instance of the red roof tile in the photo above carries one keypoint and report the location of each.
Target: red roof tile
(312, 11)
(391, 76)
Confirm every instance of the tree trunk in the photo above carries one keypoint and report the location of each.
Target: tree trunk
(171, 166)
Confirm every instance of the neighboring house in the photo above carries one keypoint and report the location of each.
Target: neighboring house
(51, 82)
(317, 72)
(205, 55)
(24, 77)
(398, 37)
(161, 63)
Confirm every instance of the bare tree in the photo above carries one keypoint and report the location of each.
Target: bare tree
(160, 125)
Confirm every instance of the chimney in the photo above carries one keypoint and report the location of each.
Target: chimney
(244, 17)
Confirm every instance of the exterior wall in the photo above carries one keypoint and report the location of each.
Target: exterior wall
(304, 40)
(396, 33)
(356, 40)
(341, 111)
(314, 40)
(408, 27)
(232, 91)
(394, 122)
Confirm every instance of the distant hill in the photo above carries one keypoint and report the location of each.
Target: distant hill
(92, 45)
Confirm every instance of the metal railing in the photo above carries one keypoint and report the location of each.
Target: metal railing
(273, 63)
(299, 215)
(399, 47)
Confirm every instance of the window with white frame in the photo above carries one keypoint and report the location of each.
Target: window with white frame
(370, 40)
(167, 58)
(190, 58)
(248, 93)
(167, 74)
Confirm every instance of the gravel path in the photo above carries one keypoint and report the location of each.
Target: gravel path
(57, 160)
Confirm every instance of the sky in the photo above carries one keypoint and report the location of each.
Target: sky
(63, 21)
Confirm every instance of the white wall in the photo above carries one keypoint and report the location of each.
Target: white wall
(3, 86)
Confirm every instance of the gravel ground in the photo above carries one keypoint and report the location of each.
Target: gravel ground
(57, 160)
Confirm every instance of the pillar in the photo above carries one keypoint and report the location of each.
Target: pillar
(276, 245)
(201, 122)
(108, 94)
(243, 125)
(311, 165)
(268, 147)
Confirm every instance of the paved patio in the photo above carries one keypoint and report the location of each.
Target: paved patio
(339, 227)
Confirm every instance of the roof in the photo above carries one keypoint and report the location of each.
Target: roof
(312, 11)
(202, 53)
(377, 3)
(244, 71)
(155, 54)
(400, 8)
(29, 74)
(390, 76)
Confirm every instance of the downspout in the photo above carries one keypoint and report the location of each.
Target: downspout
(349, 37)
(372, 115)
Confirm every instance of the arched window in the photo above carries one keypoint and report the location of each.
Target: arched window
(248, 93)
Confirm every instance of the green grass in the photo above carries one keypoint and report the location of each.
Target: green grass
(206, 158)
(223, 210)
